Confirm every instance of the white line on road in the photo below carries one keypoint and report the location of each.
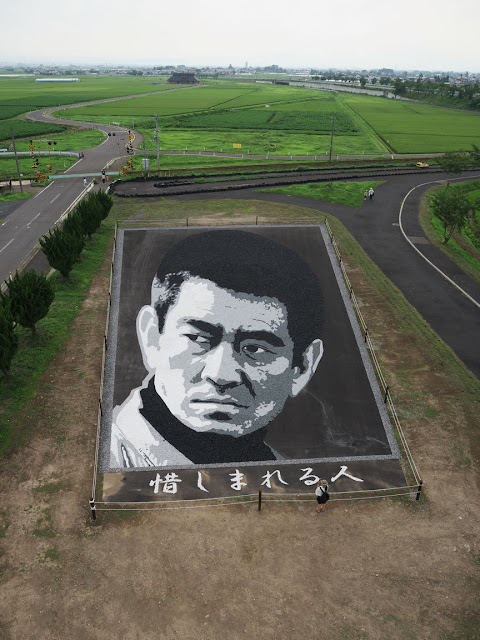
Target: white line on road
(38, 214)
(444, 275)
(55, 198)
(73, 165)
(39, 194)
(6, 245)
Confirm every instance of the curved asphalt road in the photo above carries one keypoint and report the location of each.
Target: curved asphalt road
(375, 226)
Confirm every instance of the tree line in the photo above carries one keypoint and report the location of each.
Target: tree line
(29, 295)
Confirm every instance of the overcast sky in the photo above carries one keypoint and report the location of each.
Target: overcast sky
(405, 34)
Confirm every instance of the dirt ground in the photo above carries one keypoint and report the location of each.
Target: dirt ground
(376, 569)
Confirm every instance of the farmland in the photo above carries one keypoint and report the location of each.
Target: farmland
(20, 95)
(286, 120)
(410, 127)
(263, 119)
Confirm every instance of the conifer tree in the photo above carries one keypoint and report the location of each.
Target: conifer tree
(30, 296)
(90, 212)
(62, 249)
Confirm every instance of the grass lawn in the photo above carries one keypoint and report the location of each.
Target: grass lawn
(70, 140)
(12, 197)
(348, 193)
(8, 168)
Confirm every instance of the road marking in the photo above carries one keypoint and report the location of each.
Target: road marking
(444, 275)
(39, 194)
(38, 214)
(6, 245)
(54, 198)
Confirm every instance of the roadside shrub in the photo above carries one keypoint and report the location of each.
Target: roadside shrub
(30, 295)
(62, 249)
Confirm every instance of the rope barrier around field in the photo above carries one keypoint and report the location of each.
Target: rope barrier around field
(252, 498)
(258, 500)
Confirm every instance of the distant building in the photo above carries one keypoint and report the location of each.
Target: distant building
(186, 77)
(57, 80)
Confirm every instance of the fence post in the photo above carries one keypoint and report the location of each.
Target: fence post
(256, 220)
(419, 490)
(93, 508)
(260, 500)
(386, 395)
(187, 222)
(366, 334)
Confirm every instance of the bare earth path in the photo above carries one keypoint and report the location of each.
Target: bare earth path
(366, 570)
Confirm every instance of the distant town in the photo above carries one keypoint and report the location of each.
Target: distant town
(382, 76)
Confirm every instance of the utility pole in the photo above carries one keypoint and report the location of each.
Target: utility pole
(16, 160)
(331, 138)
(157, 141)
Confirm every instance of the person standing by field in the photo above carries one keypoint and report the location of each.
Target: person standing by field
(321, 492)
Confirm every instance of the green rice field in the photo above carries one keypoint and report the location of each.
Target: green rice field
(410, 127)
(286, 120)
(263, 118)
(21, 95)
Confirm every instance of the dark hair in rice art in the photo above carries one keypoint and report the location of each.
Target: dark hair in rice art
(249, 263)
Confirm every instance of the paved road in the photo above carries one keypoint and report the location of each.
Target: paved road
(22, 228)
(375, 226)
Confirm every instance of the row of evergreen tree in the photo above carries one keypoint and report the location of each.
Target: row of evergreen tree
(29, 295)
